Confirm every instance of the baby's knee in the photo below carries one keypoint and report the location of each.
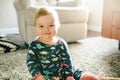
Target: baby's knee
(88, 76)
(70, 78)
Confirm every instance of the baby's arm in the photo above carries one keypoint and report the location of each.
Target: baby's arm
(66, 62)
(32, 66)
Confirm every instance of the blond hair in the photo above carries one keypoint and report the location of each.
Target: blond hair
(42, 11)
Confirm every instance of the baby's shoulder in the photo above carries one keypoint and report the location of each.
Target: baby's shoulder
(62, 42)
(32, 45)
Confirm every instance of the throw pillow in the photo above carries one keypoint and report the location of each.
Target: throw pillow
(7, 46)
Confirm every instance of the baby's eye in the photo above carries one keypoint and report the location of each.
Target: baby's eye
(52, 25)
(41, 26)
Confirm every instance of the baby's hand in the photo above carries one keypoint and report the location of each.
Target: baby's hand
(40, 78)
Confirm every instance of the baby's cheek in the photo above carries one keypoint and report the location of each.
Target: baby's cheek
(54, 32)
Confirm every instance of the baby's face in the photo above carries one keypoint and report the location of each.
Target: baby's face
(45, 27)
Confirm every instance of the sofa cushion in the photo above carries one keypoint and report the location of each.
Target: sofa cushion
(66, 3)
(41, 2)
(73, 14)
(52, 2)
(69, 3)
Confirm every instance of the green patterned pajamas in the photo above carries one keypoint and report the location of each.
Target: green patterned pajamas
(50, 61)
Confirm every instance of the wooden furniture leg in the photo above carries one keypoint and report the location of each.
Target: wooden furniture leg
(119, 45)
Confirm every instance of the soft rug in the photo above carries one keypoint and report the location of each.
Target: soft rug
(98, 55)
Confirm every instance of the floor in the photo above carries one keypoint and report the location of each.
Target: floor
(93, 33)
(4, 31)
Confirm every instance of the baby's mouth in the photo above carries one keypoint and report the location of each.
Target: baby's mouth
(47, 33)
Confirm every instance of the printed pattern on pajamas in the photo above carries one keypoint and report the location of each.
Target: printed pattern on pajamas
(52, 62)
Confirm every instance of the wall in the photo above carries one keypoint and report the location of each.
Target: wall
(95, 15)
(8, 20)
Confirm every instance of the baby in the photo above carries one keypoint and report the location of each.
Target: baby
(48, 56)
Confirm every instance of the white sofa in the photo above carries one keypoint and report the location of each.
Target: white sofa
(72, 14)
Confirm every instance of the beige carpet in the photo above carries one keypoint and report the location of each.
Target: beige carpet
(95, 54)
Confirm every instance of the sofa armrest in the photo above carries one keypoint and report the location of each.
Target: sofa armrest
(29, 15)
